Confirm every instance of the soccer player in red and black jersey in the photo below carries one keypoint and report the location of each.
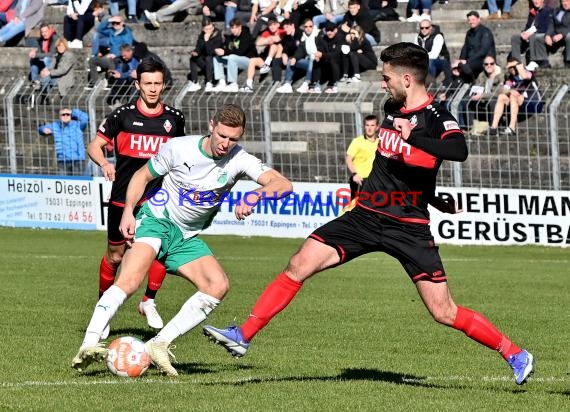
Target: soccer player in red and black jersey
(137, 130)
(392, 216)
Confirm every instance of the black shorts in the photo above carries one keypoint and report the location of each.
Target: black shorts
(359, 232)
(114, 215)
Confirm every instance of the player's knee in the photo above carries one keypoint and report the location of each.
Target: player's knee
(444, 315)
(114, 257)
(129, 283)
(296, 269)
(216, 286)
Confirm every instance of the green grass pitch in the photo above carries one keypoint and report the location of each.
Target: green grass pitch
(355, 338)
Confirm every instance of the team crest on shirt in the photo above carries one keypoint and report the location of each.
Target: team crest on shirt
(414, 121)
(167, 126)
(222, 177)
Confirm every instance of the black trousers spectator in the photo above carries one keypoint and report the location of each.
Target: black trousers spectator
(76, 29)
(203, 64)
(356, 63)
(331, 72)
(471, 70)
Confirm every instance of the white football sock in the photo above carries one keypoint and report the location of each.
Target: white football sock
(195, 310)
(104, 311)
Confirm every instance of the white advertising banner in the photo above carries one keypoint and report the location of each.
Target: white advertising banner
(504, 217)
(489, 216)
(309, 206)
(48, 202)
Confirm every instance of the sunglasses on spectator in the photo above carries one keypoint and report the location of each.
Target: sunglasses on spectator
(115, 23)
(489, 64)
(425, 27)
(307, 25)
(65, 114)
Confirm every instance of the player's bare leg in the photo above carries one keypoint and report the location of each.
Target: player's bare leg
(438, 300)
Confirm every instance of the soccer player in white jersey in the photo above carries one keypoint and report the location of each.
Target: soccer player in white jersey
(199, 171)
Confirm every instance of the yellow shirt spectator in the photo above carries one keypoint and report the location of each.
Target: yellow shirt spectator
(361, 152)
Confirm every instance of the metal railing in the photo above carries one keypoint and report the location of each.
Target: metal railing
(305, 136)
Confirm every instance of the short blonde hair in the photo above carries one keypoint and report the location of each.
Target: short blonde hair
(61, 40)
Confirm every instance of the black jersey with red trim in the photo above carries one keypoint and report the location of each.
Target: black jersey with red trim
(403, 176)
(137, 136)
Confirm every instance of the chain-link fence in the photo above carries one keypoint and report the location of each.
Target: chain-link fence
(305, 136)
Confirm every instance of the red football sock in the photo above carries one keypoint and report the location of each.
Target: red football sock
(481, 330)
(273, 300)
(156, 275)
(107, 274)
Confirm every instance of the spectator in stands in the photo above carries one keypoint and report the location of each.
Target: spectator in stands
(539, 16)
(360, 16)
(494, 10)
(557, 36)
(60, 71)
(293, 10)
(238, 48)
(416, 5)
(122, 77)
(306, 59)
(42, 56)
(479, 42)
(261, 12)
(102, 32)
(333, 11)
(151, 5)
(384, 10)
(78, 21)
(269, 47)
(26, 15)
(518, 87)
(214, 9)
(331, 64)
(236, 8)
(118, 35)
(131, 9)
(290, 42)
(202, 57)
(68, 140)
(432, 39)
(477, 107)
(360, 154)
(446, 92)
(361, 56)
(169, 12)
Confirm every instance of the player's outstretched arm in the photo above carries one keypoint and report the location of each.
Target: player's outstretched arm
(273, 185)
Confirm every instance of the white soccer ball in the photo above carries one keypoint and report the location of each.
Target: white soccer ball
(128, 356)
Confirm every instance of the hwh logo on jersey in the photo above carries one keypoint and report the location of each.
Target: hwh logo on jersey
(390, 144)
(146, 143)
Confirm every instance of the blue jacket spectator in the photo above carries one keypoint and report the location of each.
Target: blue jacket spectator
(68, 140)
(118, 34)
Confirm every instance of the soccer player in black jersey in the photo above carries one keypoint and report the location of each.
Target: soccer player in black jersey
(392, 216)
(137, 131)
